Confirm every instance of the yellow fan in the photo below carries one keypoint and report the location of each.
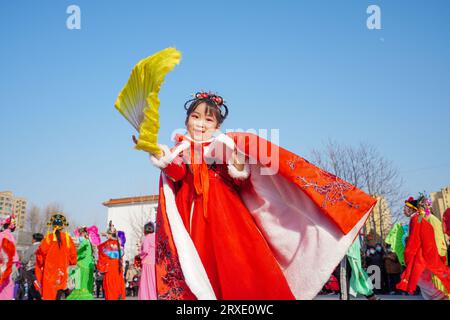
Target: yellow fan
(138, 101)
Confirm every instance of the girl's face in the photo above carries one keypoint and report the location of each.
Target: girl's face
(200, 125)
(407, 211)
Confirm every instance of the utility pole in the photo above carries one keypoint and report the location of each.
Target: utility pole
(343, 279)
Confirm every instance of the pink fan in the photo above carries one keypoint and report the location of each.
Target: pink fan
(93, 235)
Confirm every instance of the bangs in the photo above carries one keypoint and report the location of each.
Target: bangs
(210, 110)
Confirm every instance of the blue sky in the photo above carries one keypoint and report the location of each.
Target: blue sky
(310, 68)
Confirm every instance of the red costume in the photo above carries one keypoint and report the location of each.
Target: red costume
(446, 222)
(8, 256)
(52, 261)
(110, 263)
(422, 254)
(332, 284)
(229, 234)
(7, 252)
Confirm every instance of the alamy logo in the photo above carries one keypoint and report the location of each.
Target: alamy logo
(73, 21)
(374, 20)
(374, 273)
(261, 149)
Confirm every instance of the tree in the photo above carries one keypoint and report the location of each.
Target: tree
(364, 167)
(34, 219)
(37, 219)
(138, 219)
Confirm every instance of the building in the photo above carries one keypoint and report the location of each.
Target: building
(441, 201)
(130, 215)
(6, 203)
(13, 205)
(20, 210)
(379, 222)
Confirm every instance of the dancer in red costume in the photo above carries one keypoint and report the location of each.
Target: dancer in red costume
(238, 223)
(53, 257)
(421, 254)
(109, 263)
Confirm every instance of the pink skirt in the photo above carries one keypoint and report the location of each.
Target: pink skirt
(7, 290)
(147, 284)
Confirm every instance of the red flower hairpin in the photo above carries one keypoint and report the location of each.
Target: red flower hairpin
(204, 95)
(218, 101)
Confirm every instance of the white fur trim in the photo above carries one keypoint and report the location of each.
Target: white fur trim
(232, 170)
(191, 265)
(164, 160)
(168, 156)
(240, 175)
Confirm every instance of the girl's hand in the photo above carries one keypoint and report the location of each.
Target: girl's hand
(238, 165)
(157, 156)
(186, 154)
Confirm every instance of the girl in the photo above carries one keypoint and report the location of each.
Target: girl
(230, 230)
(424, 253)
(147, 284)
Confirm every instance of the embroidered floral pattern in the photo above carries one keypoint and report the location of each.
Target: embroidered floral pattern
(173, 276)
(292, 163)
(333, 191)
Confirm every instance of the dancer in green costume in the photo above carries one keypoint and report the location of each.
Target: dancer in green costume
(359, 280)
(395, 238)
(84, 272)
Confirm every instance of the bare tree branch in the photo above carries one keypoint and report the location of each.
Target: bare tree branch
(364, 167)
(34, 219)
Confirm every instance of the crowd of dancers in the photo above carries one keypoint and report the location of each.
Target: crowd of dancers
(73, 267)
(414, 258)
